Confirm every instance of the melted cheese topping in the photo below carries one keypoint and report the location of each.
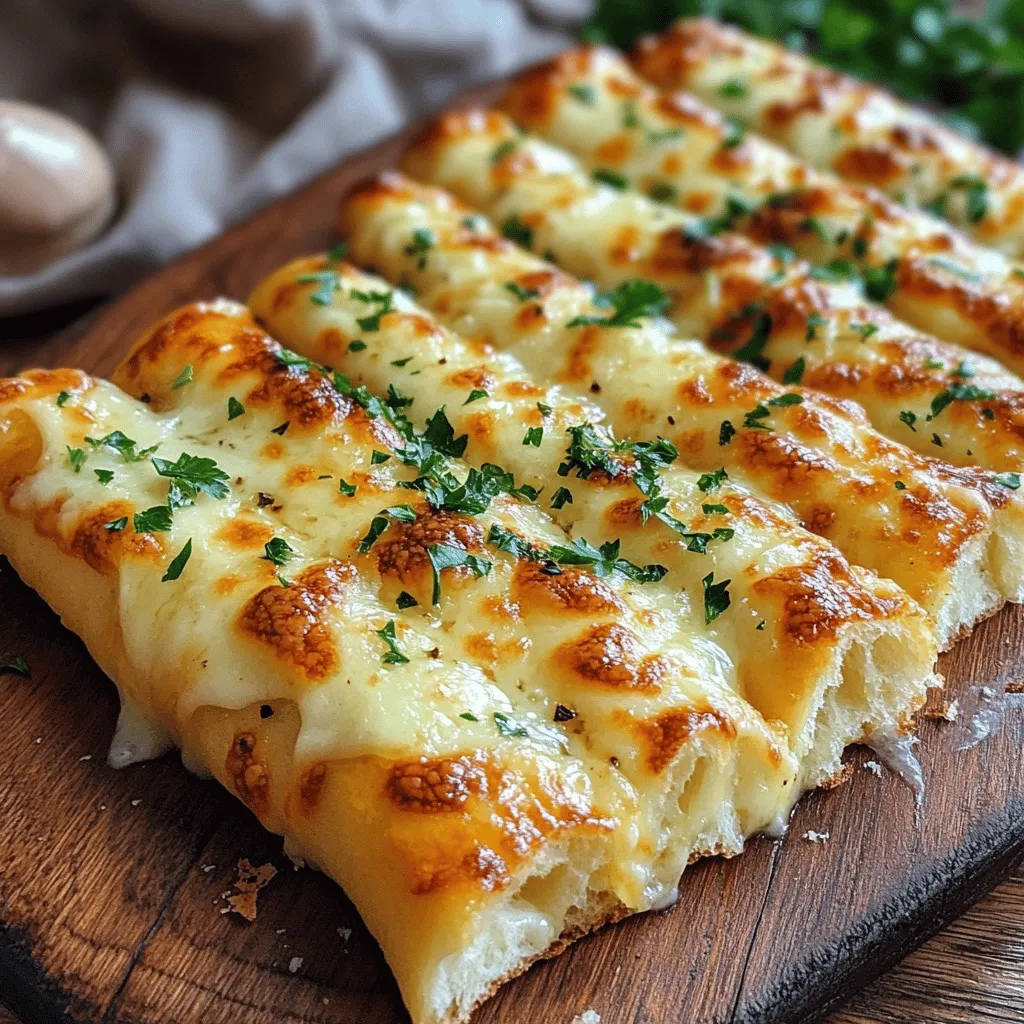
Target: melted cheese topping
(943, 283)
(446, 748)
(782, 623)
(820, 333)
(820, 456)
(830, 120)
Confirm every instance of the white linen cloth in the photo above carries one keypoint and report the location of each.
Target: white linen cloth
(211, 108)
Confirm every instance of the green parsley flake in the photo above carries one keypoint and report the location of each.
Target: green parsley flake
(449, 556)
(507, 726)
(77, 458)
(583, 92)
(561, 497)
(278, 551)
(383, 300)
(503, 149)
(154, 520)
(534, 436)
(394, 655)
(62, 398)
(712, 481)
(194, 474)
(476, 394)
(17, 665)
(235, 409)
(178, 563)
(185, 377)
(794, 372)
(405, 600)
(734, 89)
(1010, 480)
(423, 240)
(469, 716)
(726, 432)
(716, 597)
(662, 192)
(909, 418)
(609, 177)
(104, 475)
(357, 346)
(116, 525)
(631, 300)
(522, 294)
(344, 487)
(516, 231)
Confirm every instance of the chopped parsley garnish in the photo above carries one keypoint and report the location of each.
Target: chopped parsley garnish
(378, 457)
(381, 521)
(195, 473)
(476, 394)
(534, 436)
(185, 377)
(104, 475)
(789, 398)
(959, 393)
(154, 520)
(734, 89)
(344, 487)
(564, 714)
(235, 409)
(760, 625)
(662, 192)
(328, 282)
(77, 458)
(753, 419)
(816, 226)
(469, 716)
(405, 600)
(1011, 480)
(909, 418)
(934, 364)
(962, 371)
(545, 410)
(394, 654)
(975, 195)
(630, 118)
(522, 294)
(503, 149)
(631, 300)
(278, 551)
(726, 432)
(124, 446)
(178, 563)
(17, 664)
(404, 361)
(516, 231)
(864, 330)
(357, 346)
(880, 282)
(507, 726)
(735, 132)
(423, 241)
(710, 510)
(751, 351)
(900, 485)
(337, 252)
(936, 440)
(716, 597)
(605, 560)
(794, 372)
(450, 556)
(116, 525)
(561, 497)
(382, 300)
(814, 321)
(584, 93)
(712, 481)
(609, 177)
(62, 398)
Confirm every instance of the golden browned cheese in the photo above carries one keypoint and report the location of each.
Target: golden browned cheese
(812, 452)
(203, 526)
(797, 322)
(830, 120)
(790, 655)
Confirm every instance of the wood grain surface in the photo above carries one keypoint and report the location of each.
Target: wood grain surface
(112, 884)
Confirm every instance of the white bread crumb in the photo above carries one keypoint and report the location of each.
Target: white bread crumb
(874, 767)
(294, 964)
(815, 837)
(587, 1017)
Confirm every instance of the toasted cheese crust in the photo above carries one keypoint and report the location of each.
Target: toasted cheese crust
(225, 492)
(860, 131)
(807, 324)
(820, 456)
(799, 611)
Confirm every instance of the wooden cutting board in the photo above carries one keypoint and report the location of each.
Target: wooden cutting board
(113, 884)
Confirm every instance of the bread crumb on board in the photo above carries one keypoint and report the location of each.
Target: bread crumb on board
(874, 767)
(587, 1017)
(295, 964)
(250, 881)
(815, 837)
(943, 711)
